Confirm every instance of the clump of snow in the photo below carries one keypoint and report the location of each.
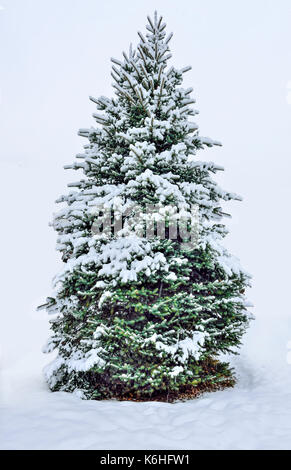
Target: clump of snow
(171, 277)
(193, 346)
(176, 371)
(190, 346)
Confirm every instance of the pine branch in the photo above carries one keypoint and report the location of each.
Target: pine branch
(168, 39)
(188, 91)
(123, 92)
(145, 84)
(95, 100)
(116, 70)
(140, 98)
(108, 133)
(170, 71)
(84, 132)
(159, 23)
(137, 71)
(147, 52)
(77, 184)
(129, 81)
(186, 69)
(156, 51)
(172, 106)
(160, 73)
(100, 119)
(192, 127)
(131, 52)
(167, 57)
(132, 148)
(142, 56)
(152, 83)
(186, 102)
(150, 22)
(141, 37)
(125, 137)
(115, 77)
(74, 166)
(125, 57)
(186, 110)
(146, 74)
(116, 61)
(161, 91)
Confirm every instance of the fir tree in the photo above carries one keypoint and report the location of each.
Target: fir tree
(136, 316)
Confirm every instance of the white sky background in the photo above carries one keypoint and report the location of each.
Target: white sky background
(55, 53)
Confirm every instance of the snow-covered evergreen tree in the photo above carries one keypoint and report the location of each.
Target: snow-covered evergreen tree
(136, 315)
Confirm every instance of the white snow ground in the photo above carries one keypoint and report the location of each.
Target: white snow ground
(256, 414)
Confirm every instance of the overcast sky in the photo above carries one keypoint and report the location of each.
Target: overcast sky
(55, 53)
